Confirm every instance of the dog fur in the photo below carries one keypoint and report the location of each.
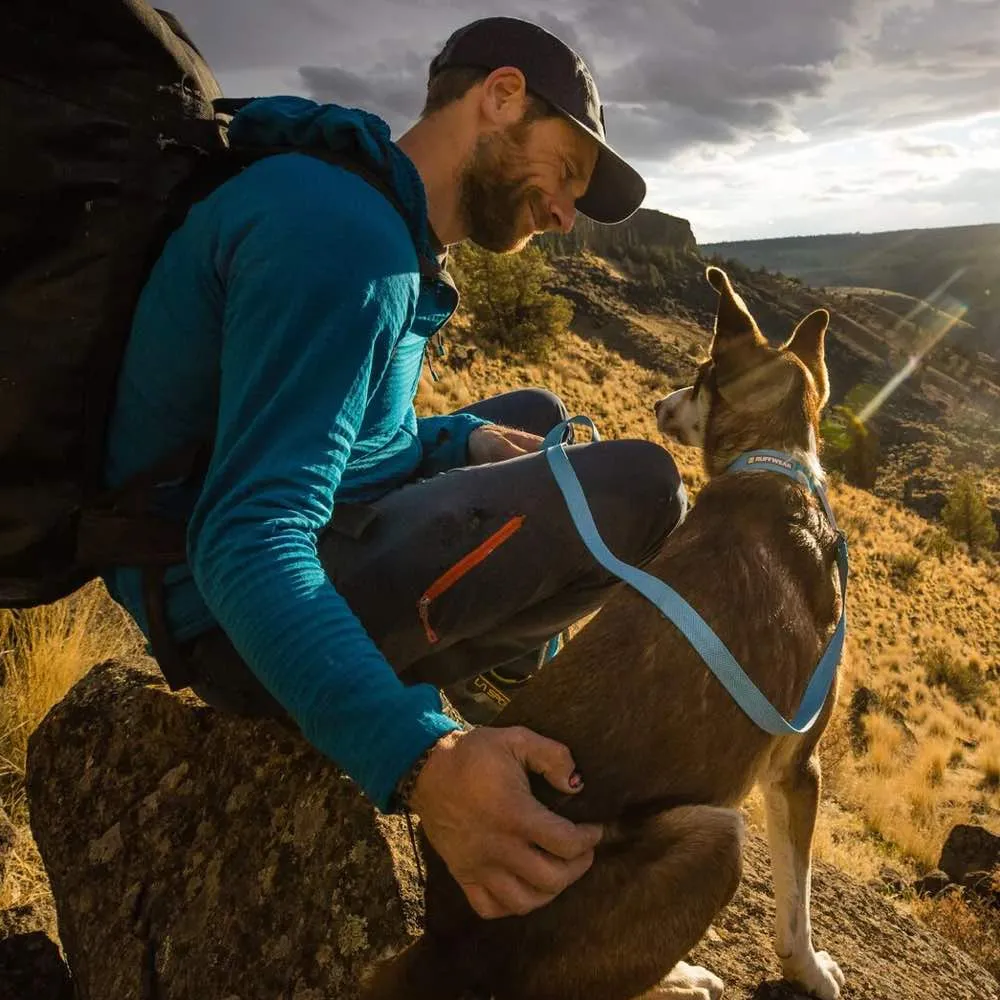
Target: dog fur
(666, 754)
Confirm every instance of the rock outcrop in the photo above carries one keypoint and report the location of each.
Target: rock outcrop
(198, 857)
(884, 953)
(970, 861)
(969, 849)
(647, 228)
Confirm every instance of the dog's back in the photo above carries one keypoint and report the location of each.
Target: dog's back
(660, 729)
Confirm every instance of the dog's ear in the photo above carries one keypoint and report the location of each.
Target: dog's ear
(762, 386)
(733, 323)
(807, 344)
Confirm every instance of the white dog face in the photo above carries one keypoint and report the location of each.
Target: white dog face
(683, 414)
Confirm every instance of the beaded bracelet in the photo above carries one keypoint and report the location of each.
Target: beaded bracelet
(404, 789)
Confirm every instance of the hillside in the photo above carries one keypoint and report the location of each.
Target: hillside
(652, 306)
(957, 267)
(913, 749)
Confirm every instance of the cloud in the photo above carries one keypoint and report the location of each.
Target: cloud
(688, 84)
(929, 150)
(398, 97)
(674, 75)
(972, 188)
(238, 34)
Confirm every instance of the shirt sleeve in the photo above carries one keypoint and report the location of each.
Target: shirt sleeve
(318, 283)
(445, 441)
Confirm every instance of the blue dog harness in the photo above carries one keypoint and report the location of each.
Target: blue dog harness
(675, 609)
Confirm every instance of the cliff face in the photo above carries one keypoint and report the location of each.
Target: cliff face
(957, 268)
(647, 228)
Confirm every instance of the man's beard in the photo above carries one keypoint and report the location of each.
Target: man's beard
(493, 197)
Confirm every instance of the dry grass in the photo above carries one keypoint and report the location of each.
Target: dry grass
(44, 652)
(968, 923)
(926, 651)
(989, 766)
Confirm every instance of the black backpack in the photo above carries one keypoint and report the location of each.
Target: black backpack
(110, 128)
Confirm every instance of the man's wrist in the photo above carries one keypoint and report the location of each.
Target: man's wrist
(404, 788)
(402, 798)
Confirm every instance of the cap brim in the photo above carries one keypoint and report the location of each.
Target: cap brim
(616, 190)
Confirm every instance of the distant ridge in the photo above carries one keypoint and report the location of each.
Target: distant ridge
(954, 268)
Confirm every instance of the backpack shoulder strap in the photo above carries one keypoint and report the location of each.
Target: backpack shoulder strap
(349, 160)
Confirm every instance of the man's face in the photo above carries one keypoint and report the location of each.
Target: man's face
(524, 180)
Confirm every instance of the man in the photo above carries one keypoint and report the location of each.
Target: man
(286, 321)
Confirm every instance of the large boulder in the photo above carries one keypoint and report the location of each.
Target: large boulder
(933, 883)
(969, 849)
(194, 855)
(198, 857)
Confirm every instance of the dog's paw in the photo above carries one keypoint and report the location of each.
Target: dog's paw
(690, 981)
(815, 972)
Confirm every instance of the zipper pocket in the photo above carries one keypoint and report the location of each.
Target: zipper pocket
(451, 576)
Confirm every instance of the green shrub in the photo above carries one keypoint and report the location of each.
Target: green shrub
(963, 680)
(904, 569)
(967, 516)
(936, 544)
(850, 444)
(506, 301)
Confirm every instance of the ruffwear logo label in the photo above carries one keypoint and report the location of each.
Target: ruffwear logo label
(770, 460)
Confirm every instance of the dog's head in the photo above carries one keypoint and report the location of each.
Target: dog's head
(748, 394)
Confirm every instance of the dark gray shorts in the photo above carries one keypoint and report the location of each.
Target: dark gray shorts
(478, 566)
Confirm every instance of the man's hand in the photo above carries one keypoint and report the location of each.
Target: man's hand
(507, 851)
(493, 443)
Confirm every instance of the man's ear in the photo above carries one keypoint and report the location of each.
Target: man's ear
(504, 95)
(807, 343)
(734, 326)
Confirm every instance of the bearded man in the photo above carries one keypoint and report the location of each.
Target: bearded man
(346, 559)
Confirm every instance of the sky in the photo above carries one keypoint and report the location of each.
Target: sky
(750, 118)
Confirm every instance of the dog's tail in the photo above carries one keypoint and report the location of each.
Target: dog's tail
(421, 972)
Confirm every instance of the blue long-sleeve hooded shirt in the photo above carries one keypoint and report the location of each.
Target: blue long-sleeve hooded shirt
(286, 320)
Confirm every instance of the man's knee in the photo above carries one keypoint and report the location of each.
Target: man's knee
(641, 484)
(536, 411)
(645, 469)
(539, 410)
(655, 483)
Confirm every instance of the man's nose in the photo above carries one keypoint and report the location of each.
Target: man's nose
(564, 216)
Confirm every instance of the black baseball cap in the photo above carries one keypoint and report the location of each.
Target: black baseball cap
(555, 73)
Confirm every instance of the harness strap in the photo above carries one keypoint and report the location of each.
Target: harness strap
(675, 609)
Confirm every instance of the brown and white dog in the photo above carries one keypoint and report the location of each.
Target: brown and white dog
(666, 753)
